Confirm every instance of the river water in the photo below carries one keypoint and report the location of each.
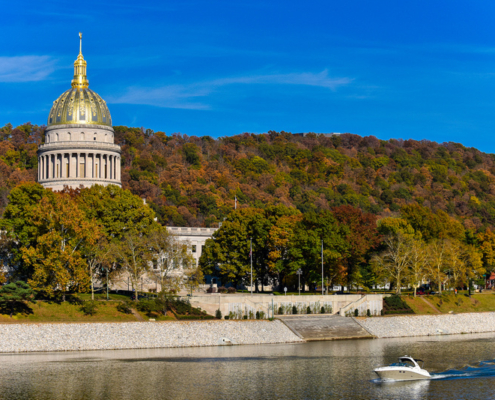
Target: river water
(463, 367)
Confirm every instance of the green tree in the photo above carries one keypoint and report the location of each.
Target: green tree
(117, 210)
(13, 297)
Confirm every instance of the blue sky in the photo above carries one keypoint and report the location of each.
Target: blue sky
(393, 69)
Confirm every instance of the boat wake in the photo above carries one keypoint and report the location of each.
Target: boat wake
(483, 369)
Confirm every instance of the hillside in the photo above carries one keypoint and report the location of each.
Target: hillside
(193, 180)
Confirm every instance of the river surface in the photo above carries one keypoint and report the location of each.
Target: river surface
(463, 367)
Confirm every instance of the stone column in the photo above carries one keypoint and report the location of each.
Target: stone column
(89, 165)
(49, 159)
(77, 165)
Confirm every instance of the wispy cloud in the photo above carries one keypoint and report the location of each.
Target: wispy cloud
(25, 68)
(188, 96)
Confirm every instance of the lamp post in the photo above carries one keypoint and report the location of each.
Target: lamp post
(299, 273)
(322, 287)
(251, 254)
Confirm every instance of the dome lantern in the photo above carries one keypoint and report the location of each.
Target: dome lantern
(79, 105)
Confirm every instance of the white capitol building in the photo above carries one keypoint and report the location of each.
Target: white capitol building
(79, 147)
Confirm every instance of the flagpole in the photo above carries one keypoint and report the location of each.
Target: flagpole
(251, 252)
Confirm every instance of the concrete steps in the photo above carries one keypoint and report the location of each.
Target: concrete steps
(324, 327)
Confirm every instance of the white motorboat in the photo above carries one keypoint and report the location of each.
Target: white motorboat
(407, 369)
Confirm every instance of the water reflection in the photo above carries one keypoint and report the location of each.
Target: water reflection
(320, 370)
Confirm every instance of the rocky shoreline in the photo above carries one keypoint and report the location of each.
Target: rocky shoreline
(429, 325)
(16, 338)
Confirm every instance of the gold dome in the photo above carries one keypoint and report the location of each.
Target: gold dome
(79, 105)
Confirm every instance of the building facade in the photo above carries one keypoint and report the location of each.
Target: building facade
(194, 237)
(79, 147)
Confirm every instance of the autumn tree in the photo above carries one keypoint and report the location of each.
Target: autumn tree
(417, 261)
(57, 257)
(133, 256)
(393, 263)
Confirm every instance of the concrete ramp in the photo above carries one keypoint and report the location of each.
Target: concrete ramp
(324, 327)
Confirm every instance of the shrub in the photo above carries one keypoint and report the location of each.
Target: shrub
(356, 312)
(124, 307)
(89, 308)
(245, 317)
(218, 314)
(231, 289)
(308, 310)
(381, 311)
(368, 313)
(280, 311)
(262, 315)
(294, 310)
(226, 317)
(222, 289)
(322, 311)
(257, 315)
(195, 317)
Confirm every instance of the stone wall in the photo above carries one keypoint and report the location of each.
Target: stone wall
(429, 325)
(16, 338)
(245, 303)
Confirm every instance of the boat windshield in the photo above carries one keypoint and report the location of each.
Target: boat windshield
(400, 364)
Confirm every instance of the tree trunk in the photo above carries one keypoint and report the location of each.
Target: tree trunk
(439, 283)
(92, 289)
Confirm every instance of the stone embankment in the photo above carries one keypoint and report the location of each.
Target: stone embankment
(429, 325)
(16, 338)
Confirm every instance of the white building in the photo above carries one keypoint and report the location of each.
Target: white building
(195, 237)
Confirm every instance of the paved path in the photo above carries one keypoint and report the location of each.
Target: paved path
(324, 327)
(431, 305)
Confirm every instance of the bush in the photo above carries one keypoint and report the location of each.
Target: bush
(226, 317)
(322, 311)
(218, 314)
(381, 311)
(231, 290)
(89, 308)
(222, 289)
(262, 315)
(294, 310)
(257, 315)
(195, 317)
(124, 307)
(245, 317)
(368, 313)
(308, 310)
(280, 311)
(356, 312)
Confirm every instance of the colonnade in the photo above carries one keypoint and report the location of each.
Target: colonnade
(79, 166)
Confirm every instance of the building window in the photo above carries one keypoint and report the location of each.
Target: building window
(194, 248)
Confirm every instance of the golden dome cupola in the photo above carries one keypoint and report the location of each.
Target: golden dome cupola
(79, 105)
(80, 80)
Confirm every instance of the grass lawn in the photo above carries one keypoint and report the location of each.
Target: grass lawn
(103, 296)
(65, 312)
(450, 302)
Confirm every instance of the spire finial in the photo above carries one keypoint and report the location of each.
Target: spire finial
(80, 81)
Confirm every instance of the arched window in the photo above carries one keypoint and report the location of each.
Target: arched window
(68, 135)
(82, 136)
(56, 137)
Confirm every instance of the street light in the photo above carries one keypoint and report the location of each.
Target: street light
(299, 273)
(322, 289)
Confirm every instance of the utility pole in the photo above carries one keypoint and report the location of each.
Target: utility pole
(251, 253)
(322, 287)
(299, 272)
(107, 283)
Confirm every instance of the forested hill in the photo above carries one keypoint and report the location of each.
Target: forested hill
(192, 180)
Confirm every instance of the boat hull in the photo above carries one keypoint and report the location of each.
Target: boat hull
(401, 374)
